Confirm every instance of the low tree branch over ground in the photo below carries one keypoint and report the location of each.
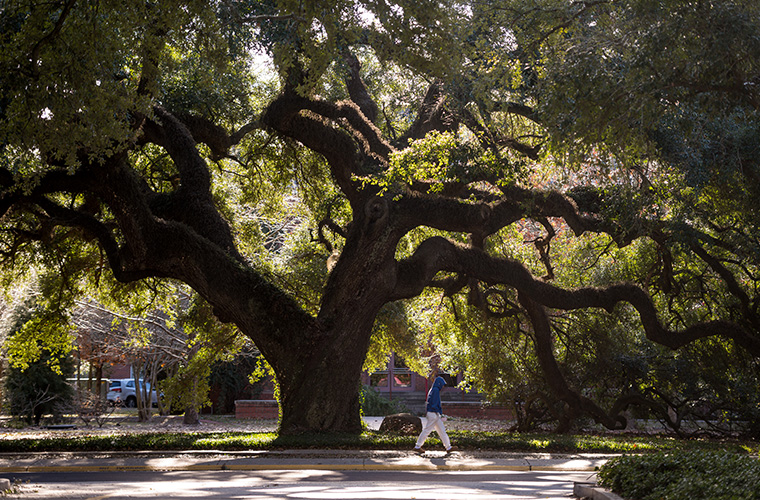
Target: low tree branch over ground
(438, 254)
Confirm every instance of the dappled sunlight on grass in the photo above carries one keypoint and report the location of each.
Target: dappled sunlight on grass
(253, 441)
(234, 440)
(539, 443)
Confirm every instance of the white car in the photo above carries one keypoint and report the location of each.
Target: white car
(122, 393)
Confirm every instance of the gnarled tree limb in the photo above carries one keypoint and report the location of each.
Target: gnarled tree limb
(438, 254)
(357, 90)
(214, 136)
(553, 376)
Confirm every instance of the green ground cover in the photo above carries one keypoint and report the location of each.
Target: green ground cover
(684, 475)
(465, 440)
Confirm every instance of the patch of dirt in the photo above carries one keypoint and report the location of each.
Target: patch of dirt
(478, 424)
(128, 424)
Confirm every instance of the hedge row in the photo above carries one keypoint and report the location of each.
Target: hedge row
(683, 475)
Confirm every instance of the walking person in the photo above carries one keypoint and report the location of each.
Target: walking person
(435, 418)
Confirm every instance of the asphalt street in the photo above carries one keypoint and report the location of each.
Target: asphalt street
(297, 474)
(297, 484)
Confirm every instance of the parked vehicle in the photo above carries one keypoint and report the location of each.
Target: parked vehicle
(122, 393)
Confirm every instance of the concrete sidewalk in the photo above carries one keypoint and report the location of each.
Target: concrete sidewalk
(297, 460)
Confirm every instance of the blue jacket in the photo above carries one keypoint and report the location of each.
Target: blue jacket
(434, 396)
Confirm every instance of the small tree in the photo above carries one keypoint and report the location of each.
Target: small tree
(147, 342)
(208, 343)
(180, 342)
(40, 388)
(39, 362)
(90, 406)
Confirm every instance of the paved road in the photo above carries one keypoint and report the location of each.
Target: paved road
(297, 484)
(297, 474)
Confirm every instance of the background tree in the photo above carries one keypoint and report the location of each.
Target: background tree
(208, 344)
(40, 390)
(171, 350)
(188, 145)
(146, 344)
(36, 387)
(229, 380)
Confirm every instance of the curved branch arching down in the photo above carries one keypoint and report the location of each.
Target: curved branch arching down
(285, 115)
(215, 136)
(322, 239)
(98, 230)
(729, 279)
(439, 254)
(552, 373)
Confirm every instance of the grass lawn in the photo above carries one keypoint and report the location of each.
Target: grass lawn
(122, 432)
(373, 440)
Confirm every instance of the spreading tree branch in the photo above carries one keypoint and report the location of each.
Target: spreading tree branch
(433, 114)
(553, 376)
(357, 90)
(34, 54)
(214, 136)
(192, 202)
(313, 122)
(322, 239)
(439, 254)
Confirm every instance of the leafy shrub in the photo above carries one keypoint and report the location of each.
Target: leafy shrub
(35, 384)
(683, 475)
(38, 389)
(375, 405)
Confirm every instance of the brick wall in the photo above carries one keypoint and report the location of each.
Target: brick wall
(467, 409)
(256, 408)
(268, 409)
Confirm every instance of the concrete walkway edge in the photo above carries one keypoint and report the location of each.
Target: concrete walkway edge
(297, 460)
(263, 460)
(594, 492)
(285, 466)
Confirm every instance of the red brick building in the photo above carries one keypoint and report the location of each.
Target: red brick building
(398, 383)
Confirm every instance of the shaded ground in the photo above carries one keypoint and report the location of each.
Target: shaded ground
(125, 422)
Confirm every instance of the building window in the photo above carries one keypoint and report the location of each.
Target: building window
(402, 375)
(396, 376)
(379, 379)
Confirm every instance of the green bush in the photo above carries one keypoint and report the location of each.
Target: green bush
(35, 384)
(373, 404)
(683, 475)
(39, 390)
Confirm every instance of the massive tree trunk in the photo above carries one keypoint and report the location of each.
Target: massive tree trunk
(324, 395)
(320, 388)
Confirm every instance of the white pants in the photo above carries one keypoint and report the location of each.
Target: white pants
(434, 422)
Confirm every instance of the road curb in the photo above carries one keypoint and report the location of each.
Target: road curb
(594, 492)
(377, 460)
(286, 466)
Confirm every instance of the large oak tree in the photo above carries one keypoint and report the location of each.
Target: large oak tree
(121, 122)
